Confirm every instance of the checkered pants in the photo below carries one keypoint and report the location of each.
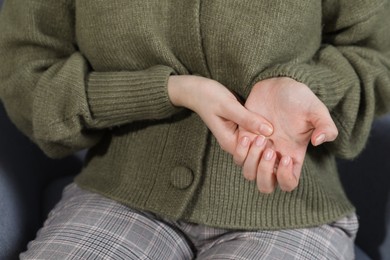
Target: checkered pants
(85, 225)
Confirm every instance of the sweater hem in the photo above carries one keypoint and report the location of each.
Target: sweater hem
(347, 210)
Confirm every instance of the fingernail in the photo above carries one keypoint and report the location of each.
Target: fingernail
(244, 141)
(320, 139)
(260, 140)
(266, 129)
(286, 160)
(268, 155)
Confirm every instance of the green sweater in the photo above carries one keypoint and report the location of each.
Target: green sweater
(78, 74)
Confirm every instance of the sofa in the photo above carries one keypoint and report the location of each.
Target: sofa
(367, 183)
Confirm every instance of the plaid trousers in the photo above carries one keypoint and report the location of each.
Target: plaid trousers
(85, 225)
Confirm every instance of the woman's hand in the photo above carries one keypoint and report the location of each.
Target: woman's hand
(298, 117)
(218, 108)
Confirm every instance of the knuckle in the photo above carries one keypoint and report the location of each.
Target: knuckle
(239, 160)
(250, 121)
(288, 187)
(225, 144)
(336, 133)
(223, 108)
(248, 175)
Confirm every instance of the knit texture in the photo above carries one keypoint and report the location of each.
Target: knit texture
(93, 74)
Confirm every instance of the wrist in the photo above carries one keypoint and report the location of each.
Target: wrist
(173, 88)
(184, 90)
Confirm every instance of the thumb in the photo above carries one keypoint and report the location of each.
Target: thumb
(325, 130)
(248, 120)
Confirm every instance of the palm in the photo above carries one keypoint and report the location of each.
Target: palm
(293, 110)
(291, 133)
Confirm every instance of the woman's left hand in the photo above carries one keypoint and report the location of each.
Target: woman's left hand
(298, 116)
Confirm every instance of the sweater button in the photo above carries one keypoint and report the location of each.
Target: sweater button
(182, 177)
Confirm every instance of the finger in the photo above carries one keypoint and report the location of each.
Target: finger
(248, 120)
(245, 139)
(241, 151)
(286, 176)
(252, 160)
(324, 133)
(265, 179)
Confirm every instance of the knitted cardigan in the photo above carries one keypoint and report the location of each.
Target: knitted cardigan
(77, 74)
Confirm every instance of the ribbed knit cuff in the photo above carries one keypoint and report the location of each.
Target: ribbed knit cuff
(117, 98)
(325, 83)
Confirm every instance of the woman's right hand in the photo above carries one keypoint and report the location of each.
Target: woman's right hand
(219, 109)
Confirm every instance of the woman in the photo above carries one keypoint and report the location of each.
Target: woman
(178, 168)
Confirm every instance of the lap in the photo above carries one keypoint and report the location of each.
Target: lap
(85, 225)
(324, 242)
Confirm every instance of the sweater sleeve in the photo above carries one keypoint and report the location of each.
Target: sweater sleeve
(350, 73)
(49, 89)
